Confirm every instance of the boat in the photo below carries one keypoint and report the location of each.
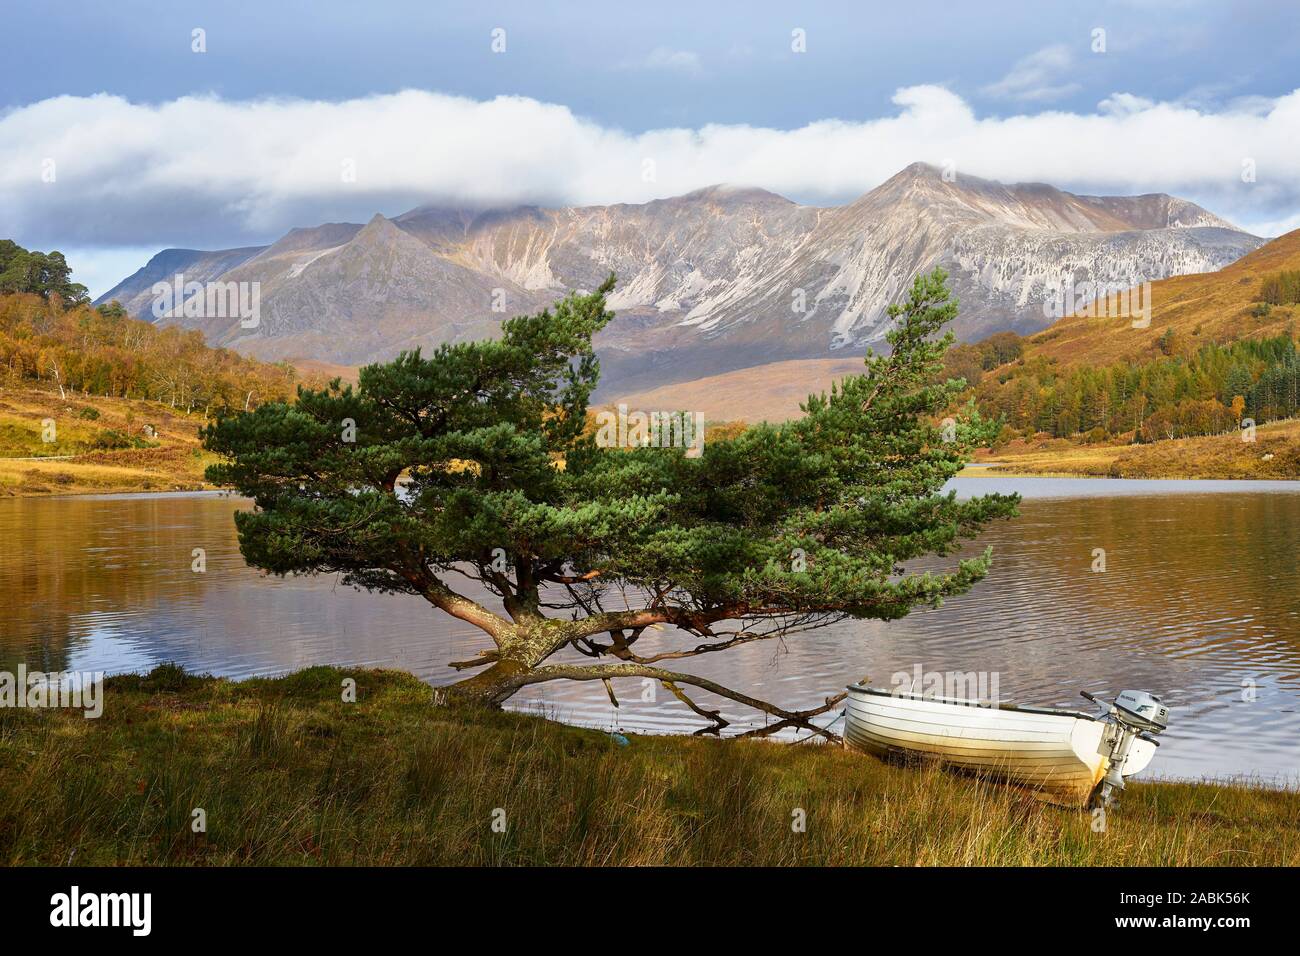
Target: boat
(1065, 756)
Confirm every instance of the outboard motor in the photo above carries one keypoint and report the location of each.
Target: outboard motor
(1133, 714)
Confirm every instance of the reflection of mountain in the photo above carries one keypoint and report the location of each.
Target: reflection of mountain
(719, 279)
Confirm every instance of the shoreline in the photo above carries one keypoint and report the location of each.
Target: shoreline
(1240, 781)
(1272, 453)
(974, 470)
(1009, 470)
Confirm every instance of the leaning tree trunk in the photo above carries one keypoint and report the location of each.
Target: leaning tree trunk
(504, 677)
(490, 687)
(523, 646)
(520, 649)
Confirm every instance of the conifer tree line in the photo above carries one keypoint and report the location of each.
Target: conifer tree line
(1185, 391)
(40, 273)
(1206, 392)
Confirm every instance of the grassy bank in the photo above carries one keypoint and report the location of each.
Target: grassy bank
(288, 773)
(101, 445)
(1275, 454)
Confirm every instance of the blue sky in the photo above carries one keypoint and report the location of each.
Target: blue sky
(599, 58)
(704, 89)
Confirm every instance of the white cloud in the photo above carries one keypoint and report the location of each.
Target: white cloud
(206, 172)
(670, 61)
(1037, 77)
(1123, 104)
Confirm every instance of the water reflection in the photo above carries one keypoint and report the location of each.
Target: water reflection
(1200, 601)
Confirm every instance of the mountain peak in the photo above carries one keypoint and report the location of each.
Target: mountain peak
(919, 169)
(730, 194)
(938, 193)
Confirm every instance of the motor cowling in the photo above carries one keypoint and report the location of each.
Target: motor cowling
(1144, 711)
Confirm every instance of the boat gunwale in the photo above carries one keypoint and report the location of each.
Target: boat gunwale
(966, 702)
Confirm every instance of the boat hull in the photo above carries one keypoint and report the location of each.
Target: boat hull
(1060, 754)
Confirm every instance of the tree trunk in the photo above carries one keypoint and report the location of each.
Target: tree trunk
(490, 687)
(521, 649)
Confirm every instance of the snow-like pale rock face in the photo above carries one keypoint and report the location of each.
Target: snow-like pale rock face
(718, 279)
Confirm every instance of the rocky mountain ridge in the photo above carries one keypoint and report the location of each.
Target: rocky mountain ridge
(721, 278)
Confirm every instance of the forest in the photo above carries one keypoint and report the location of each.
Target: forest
(1189, 390)
(49, 334)
(103, 351)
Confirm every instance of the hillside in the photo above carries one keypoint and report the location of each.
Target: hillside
(1274, 455)
(92, 400)
(324, 371)
(1209, 306)
(770, 392)
(101, 446)
(719, 279)
(1176, 398)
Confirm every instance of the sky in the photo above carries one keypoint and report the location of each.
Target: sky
(123, 131)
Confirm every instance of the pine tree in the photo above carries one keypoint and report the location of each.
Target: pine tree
(475, 462)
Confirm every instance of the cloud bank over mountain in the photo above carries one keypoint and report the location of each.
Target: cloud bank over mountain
(209, 172)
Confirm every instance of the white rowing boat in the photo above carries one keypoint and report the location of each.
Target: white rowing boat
(1067, 756)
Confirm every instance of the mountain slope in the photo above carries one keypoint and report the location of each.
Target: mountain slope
(771, 392)
(1205, 307)
(126, 399)
(1211, 307)
(719, 279)
(362, 299)
(1005, 247)
(135, 291)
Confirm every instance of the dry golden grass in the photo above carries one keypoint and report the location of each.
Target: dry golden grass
(316, 373)
(72, 465)
(289, 774)
(1275, 454)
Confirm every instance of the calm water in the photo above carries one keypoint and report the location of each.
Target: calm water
(1200, 598)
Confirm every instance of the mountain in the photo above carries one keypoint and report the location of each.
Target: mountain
(719, 279)
(1220, 307)
(134, 292)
